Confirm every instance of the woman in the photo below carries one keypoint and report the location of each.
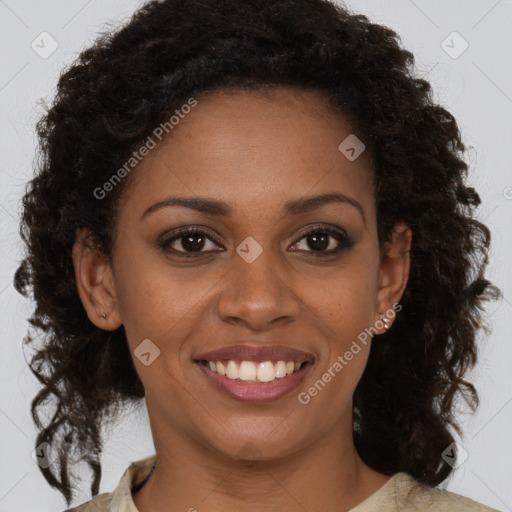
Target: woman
(253, 216)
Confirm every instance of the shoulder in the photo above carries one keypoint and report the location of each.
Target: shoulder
(411, 495)
(403, 493)
(100, 503)
(121, 498)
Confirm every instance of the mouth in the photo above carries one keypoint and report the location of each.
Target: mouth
(255, 374)
(250, 371)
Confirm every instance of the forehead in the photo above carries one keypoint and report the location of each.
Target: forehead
(253, 146)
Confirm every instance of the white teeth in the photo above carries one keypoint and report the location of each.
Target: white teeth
(247, 371)
(266, 371)
(232, 370)
(221, 368)
(280, 369)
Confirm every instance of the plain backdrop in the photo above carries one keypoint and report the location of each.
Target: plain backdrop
(462, 47)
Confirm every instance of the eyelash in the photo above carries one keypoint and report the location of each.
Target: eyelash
(344, 241)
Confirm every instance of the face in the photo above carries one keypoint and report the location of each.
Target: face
(265, 265)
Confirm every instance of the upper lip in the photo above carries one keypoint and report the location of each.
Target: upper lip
(258, 354)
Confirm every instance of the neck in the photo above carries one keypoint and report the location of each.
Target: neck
(327, 475)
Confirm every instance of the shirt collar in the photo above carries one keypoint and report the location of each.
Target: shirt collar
(134, 475)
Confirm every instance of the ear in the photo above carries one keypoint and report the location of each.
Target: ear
(393, 275)
(95, 283)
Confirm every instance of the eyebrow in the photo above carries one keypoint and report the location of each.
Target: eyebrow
(220, 208)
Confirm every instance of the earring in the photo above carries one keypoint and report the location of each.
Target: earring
(385, 319)
(104, 316)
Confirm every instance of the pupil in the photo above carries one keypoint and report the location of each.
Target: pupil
(189, 245)
(320, 241)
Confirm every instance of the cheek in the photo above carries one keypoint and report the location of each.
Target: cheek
(345, 306)
(150, 298)
(345, 300)
(161, 303)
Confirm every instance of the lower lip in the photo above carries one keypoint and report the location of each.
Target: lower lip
(256, 392)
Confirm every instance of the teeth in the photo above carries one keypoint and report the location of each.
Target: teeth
(266, 371)
(220, 368)
(247, 371)
(232, 370)
(280, 368)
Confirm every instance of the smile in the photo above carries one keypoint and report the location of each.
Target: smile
(249, 381)
(266, 371)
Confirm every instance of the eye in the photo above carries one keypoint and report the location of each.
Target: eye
(323, 241)
(187, 241)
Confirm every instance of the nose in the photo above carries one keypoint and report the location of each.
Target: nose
(258, 295)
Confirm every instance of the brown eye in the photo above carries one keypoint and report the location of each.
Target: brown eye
(189, 241)
(322, 242)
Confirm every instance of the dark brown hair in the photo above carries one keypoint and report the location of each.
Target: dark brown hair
(112, 98)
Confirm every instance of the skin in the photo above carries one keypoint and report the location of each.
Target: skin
(255, 152)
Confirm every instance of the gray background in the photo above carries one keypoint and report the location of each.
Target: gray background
(475, 86)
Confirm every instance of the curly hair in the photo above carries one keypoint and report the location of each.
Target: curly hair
(127, 83)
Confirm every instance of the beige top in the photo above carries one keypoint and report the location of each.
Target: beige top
(401, 493)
